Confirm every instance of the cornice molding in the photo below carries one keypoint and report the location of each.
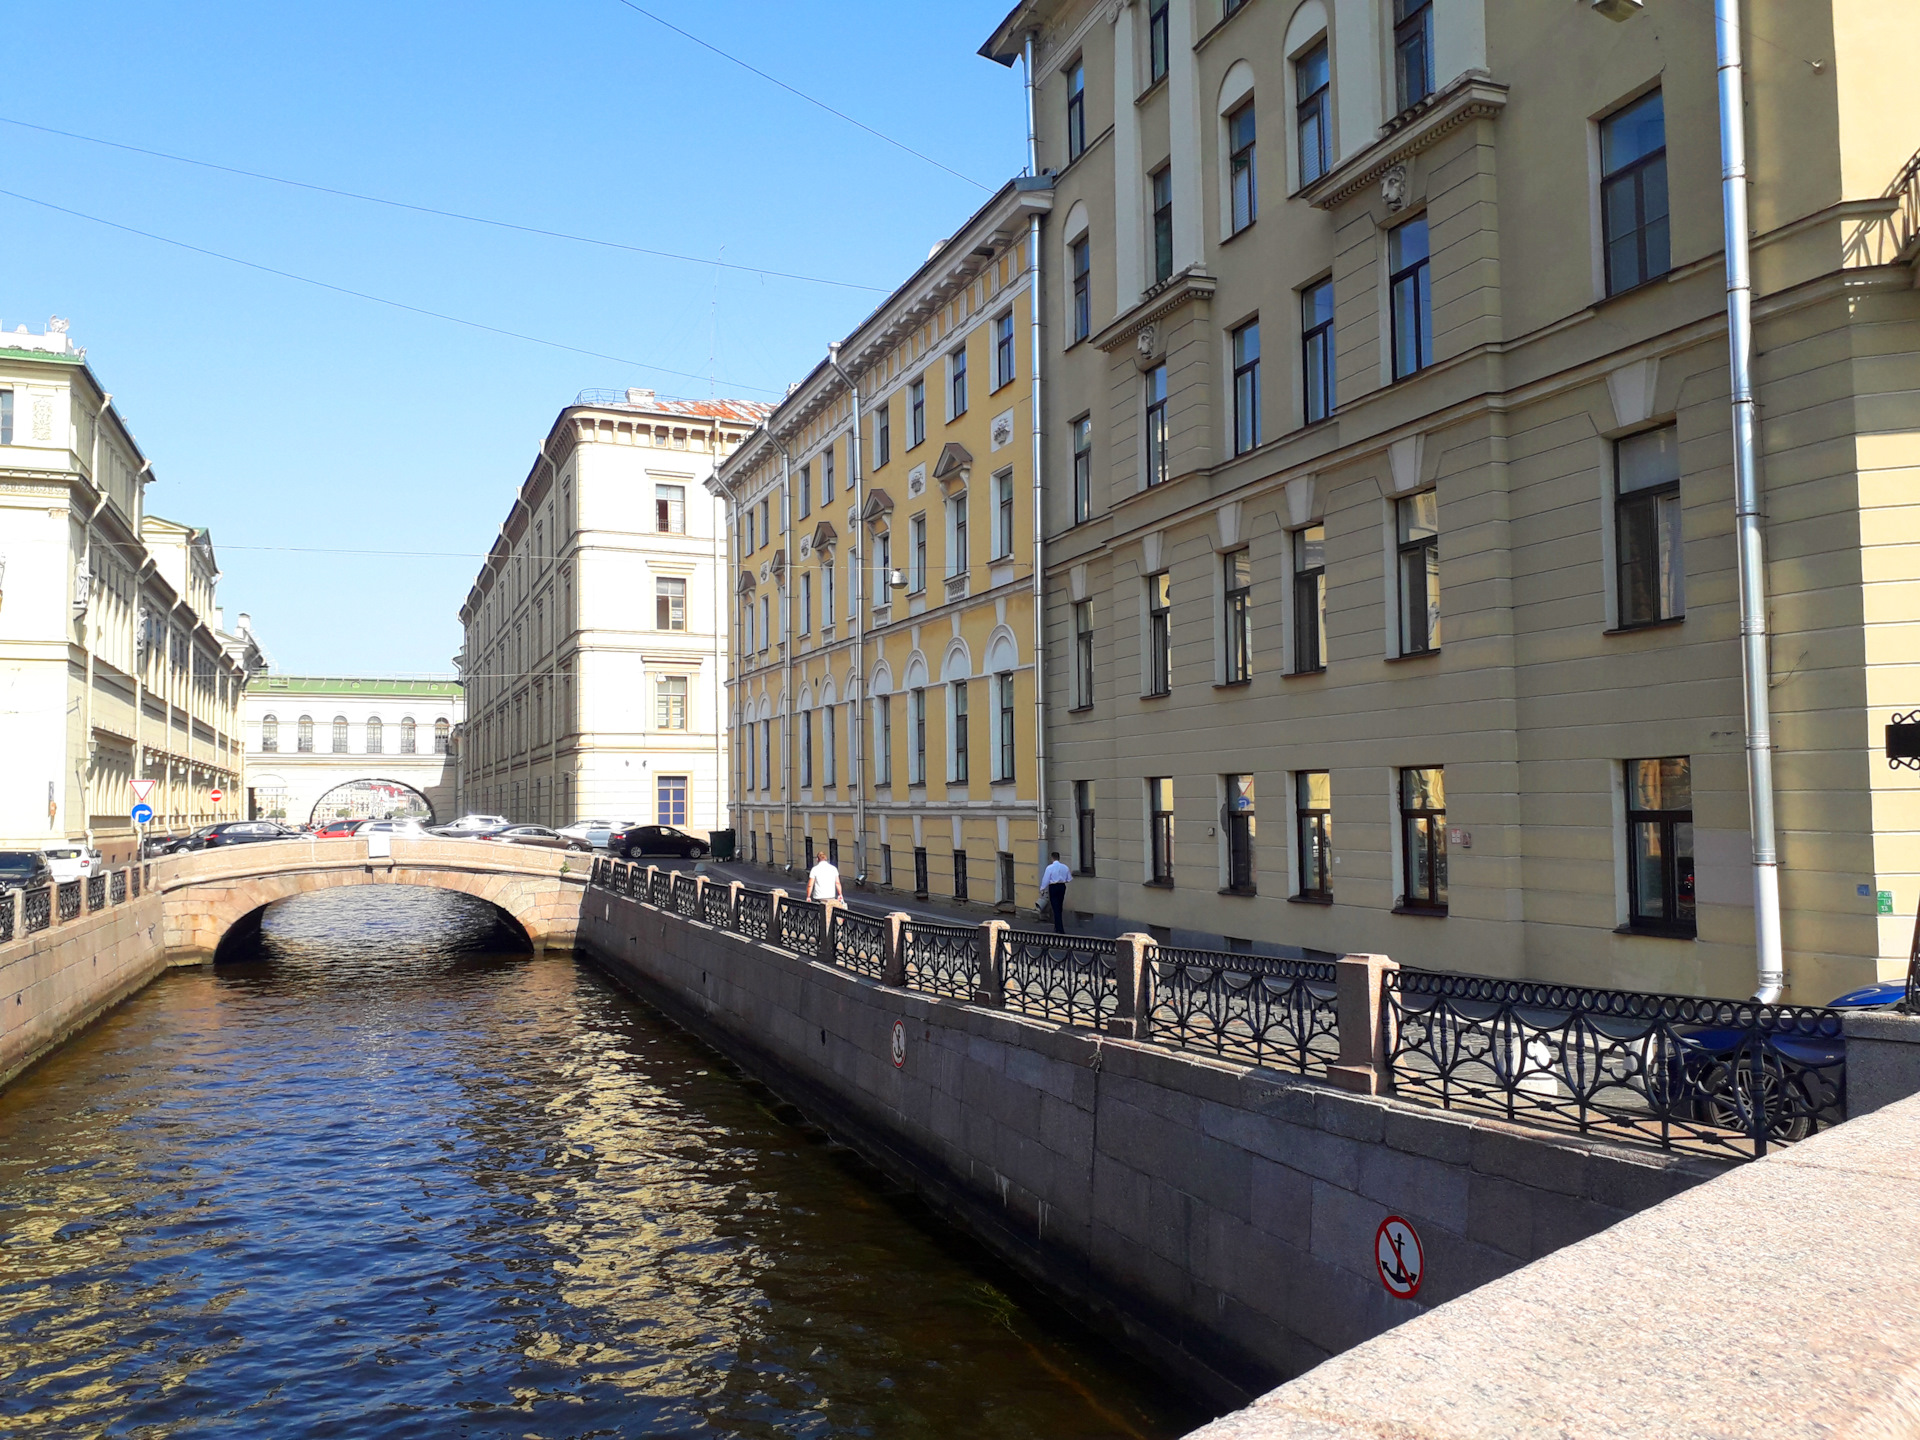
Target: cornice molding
(1182, 289)
(1474, 96)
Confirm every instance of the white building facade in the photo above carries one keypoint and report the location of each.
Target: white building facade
(595, 653)
(327, 747)
(114, 663)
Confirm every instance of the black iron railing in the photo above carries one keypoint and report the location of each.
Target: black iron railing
(686, 894)
(97, 891)
(753, 912)
(1279, 1013)
(1720, 1076)
(716, 905)
(69, 900)
(135, 872)
(941, 959)
(660, 889)
(860, 943)
(37, 907)
(119, 886)
(1059, 977)
(9, 908)
(800, 922)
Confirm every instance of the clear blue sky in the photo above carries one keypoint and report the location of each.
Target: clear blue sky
(278, 414)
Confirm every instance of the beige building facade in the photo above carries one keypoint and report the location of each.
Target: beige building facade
(596, 631)
(114, 663)
(1392, 600)
(885, 679)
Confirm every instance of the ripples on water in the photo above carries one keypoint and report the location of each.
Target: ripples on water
(389, 1180)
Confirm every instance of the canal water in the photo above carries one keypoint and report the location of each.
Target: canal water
(387, 1177)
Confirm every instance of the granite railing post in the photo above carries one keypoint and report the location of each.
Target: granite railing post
(993, 984)
(1132, 975)
(699, 898)
(648, 896)
(733, 904)
(827, 908)
(1366, 1044)
(895, 973)
(775, 899)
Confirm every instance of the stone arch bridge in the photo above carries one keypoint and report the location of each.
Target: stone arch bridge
(206, 895)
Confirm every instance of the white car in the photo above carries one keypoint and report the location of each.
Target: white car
(595, 832)
(411, 829)
(72, 862)
(479, 822)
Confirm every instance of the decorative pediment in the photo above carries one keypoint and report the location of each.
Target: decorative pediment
(954, 463)
(825, 536)
(779, 564)
(879, 505)
(747, 584)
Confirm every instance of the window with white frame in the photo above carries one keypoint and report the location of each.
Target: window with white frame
(917, 554)
(882, 433)
(1412, 51)
(1312, 89)
(916, 413)
(1647, 538)
(1076, 109)
(1003, 728)
(1003, 515)
(1081, 260)
(670, 509)
(1003, 349)
(958, 560)
(957, 383)
(1158, 38)
(883, 740)
(1161, 184)
(1309, 599)
(806, 603)
(806, 491)
(1410, 287)
(1316, 352)
(1082, 430)
(1160, 830)
(1417, 527)
(1083, 655)
(1246, 387)
(957, 702)
(806, 749)
(1313, 818)
(1159, 649)
(917, 717)
(670, 702)
(1236, 575)
(1156, 447)
(1242, 184)
(1633, 193)
(829, 758)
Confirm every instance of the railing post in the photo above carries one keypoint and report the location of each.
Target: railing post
(993, 984)
(733, 904)
(827, 907)
(895, 972)
(775, 899)
(699, 899)
(1131, 975)
(648, 897)
(1365, 1066)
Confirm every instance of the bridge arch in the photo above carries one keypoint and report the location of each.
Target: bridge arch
(361, 798)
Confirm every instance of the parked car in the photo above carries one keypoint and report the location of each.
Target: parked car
(536, 835)
(72, 862)
(173, 844)
(476, 822)
(338, 829)
(656, 840)
(237, 832)
(406, 829)
(23, 869)
(596, 832)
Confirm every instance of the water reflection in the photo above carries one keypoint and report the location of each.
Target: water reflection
(389, 1179)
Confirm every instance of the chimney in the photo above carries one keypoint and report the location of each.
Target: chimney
(246, 623)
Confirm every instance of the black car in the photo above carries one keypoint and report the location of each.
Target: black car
(656, 840)
(237, 832)
(159, 845)
(24, 869)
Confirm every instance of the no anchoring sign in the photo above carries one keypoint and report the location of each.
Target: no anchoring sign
(1396, 1250)
(899, 1045)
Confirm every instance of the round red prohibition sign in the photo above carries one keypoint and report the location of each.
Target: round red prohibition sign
(1396, 1250)
(899, 1045)
(214, 796)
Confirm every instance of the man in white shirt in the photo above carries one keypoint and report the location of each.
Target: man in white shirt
(1054, 880)
(823, 881)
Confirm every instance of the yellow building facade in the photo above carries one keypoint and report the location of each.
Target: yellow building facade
(885, 687)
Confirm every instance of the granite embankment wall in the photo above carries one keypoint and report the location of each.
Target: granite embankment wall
(1220, 1218)
(57, 980)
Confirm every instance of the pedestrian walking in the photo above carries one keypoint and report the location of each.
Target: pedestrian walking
(1054, 880)
(823, 881)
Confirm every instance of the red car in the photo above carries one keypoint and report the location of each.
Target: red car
(338, 829)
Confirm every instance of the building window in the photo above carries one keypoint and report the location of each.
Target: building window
(959, 874)
(670, 604)
(829, 749)
(917, 706)
(1316, 351)
(670, 509)
(1246, 387)
(1003, 891)
(1660, 842)
(1082, 429)
(671, 799)
(1647, 538)
(806, 603)
(1412, 50)
(1237, 573)
(1423, 838)
(1082, 251)
(1240, 169)
(1083, 797)
(1156, 383)
(1157, 36)
(1310, 85)
(1003, 724)
(957, 768)
(1002, 350)
(1162, 223)
(916, 413)
(1240, 834)
(826, 593)
(1076, 110)
(269, 734)
(339, 734)
(806, 491)
(1083, 655)
(766, 765)
(806, 749)
(670, 702)
(766, 628)
(1418, 520)
(1412, 300)
(303, 734)
(917, 554)
(1633, 193)
(959, 562)
(886, 866)
(883, 434)
(1160, 830)
(409, 737)
(1313, 812)
(1003, 515)
(1309, 599)
(957, 384)
(6, 417)
(826, 475)
(883, 751)
(920, 871)
(1160, 633)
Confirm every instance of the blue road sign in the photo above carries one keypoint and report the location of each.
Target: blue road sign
(142, 814)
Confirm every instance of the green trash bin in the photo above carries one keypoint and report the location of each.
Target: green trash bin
(723, 844)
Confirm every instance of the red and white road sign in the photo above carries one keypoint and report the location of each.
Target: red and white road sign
(899, 1045)
(142, 790)
(215, 796)
(1396, 1250)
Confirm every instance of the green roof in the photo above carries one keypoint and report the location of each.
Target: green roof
(50, 356)
(346, 685)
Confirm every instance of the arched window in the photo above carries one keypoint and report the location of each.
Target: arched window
(339, 734)
(376, 741)
(304, 738)
(269, 734)
(406, 735)
(439, 737)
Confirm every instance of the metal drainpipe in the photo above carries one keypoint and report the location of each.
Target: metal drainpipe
(735, 637)
(786, 651)
(1039, 539)
(859, 735)
(1755, 671)
(720, 619)
(86, 628)
(140, 680)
